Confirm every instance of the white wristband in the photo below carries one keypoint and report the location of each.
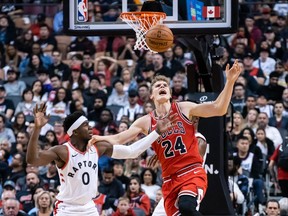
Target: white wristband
(136, 149)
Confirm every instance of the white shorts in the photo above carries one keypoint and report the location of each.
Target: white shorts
(159, 210)
(64, 209)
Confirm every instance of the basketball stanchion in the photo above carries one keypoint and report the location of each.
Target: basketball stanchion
(141, 22)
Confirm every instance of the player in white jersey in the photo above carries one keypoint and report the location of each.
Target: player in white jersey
(77, 165)
(202, 146)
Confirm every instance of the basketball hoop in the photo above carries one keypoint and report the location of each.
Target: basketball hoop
(141, 22)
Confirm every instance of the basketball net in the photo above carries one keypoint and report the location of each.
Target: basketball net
(141, 22)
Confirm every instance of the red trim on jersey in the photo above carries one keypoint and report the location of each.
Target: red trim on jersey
(183, 117)
(56, 206)
(183, 171)
(77, 150)
(67, 160)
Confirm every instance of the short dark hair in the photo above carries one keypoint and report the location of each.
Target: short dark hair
(154, 176)
(70, 119)
(108, 169)
(117, 81)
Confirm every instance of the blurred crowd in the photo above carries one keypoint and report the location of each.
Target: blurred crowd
(109, 81)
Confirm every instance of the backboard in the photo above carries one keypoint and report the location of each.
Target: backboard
(184, 17)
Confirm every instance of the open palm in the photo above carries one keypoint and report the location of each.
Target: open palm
(40, 117)
(233, 73)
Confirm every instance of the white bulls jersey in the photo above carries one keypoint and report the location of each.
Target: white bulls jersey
(79, 176)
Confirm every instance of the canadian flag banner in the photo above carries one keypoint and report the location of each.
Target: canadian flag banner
(211, 11)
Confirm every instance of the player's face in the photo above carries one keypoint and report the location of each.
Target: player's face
(160, 92)
(85, 131)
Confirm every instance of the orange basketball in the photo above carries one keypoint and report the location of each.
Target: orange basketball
(159, 38)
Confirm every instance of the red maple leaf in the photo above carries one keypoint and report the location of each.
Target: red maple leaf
(210, 12)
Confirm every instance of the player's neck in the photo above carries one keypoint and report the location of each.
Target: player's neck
(81, 145)
(162, 108)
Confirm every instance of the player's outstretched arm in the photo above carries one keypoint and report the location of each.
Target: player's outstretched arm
(34, 156)
(220, 105)
(138, 147)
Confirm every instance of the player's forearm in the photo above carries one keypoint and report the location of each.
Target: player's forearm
(223, 100)
(32, 149)
(134, 150)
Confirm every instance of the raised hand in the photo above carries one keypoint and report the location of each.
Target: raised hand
(233, 72)
(163, 124)
(40, 117)
(92, 141)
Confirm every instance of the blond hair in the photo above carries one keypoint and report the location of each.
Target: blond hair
(159, 78)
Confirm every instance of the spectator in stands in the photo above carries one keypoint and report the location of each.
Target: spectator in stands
(178, 91)
(148, 180)
(266, 146)
(17, 167)
(272, 91)
(46, 40)
(110, 186)
(161, 69)
(38, 92)
(148, 107)
(238, 52)
(238, 98)
(123, 125)
(50, 179)
(13, 86)
(77, 79)
(118, 96)
(78, 100)
(283, 206)
(6, 106)
(60, 134)
(171, 63)
(24, 42)
(27, 104)
(147, 74)
(58, 67)
(128, 80)
(133, 167)
(82, 43)
(123, 208)
(43, 76)
(87, 66)
(7, 194)
(6, 133)
(35, 64)
(279, 178)
(274, 42)
(43, 131)
(26, 64)
(26, 196)
(278, 120)
(5, 145)
(7, 29)
(118, 169)
(44, 204)
(127, 50)
(132, 109)
(21, 182)
(250, 104)
(284, 100)
(58, 20)
(271, 132)
(51, 138)
(22, 139)
(19, 123)
(272, 207)
(243, 37)
(266, 63)
(106, 120)
(56, 84)
(263, 23)
(251, 119)
(251, 167)
(139, 201)
(263, 106)
(105, 66)
(147, 60)
(93, 92)
(254, 75)
(98, 106)
(253, 30)
(282, 29)
(59, 106)
(11, 207)
(12, 57)
(179, 52)
(35, 28)
(143, 94)
(237, 126)
(280, 69)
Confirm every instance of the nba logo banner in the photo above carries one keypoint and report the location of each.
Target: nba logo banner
(82, 10)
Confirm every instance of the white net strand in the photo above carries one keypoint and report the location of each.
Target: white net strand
(141, 23)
